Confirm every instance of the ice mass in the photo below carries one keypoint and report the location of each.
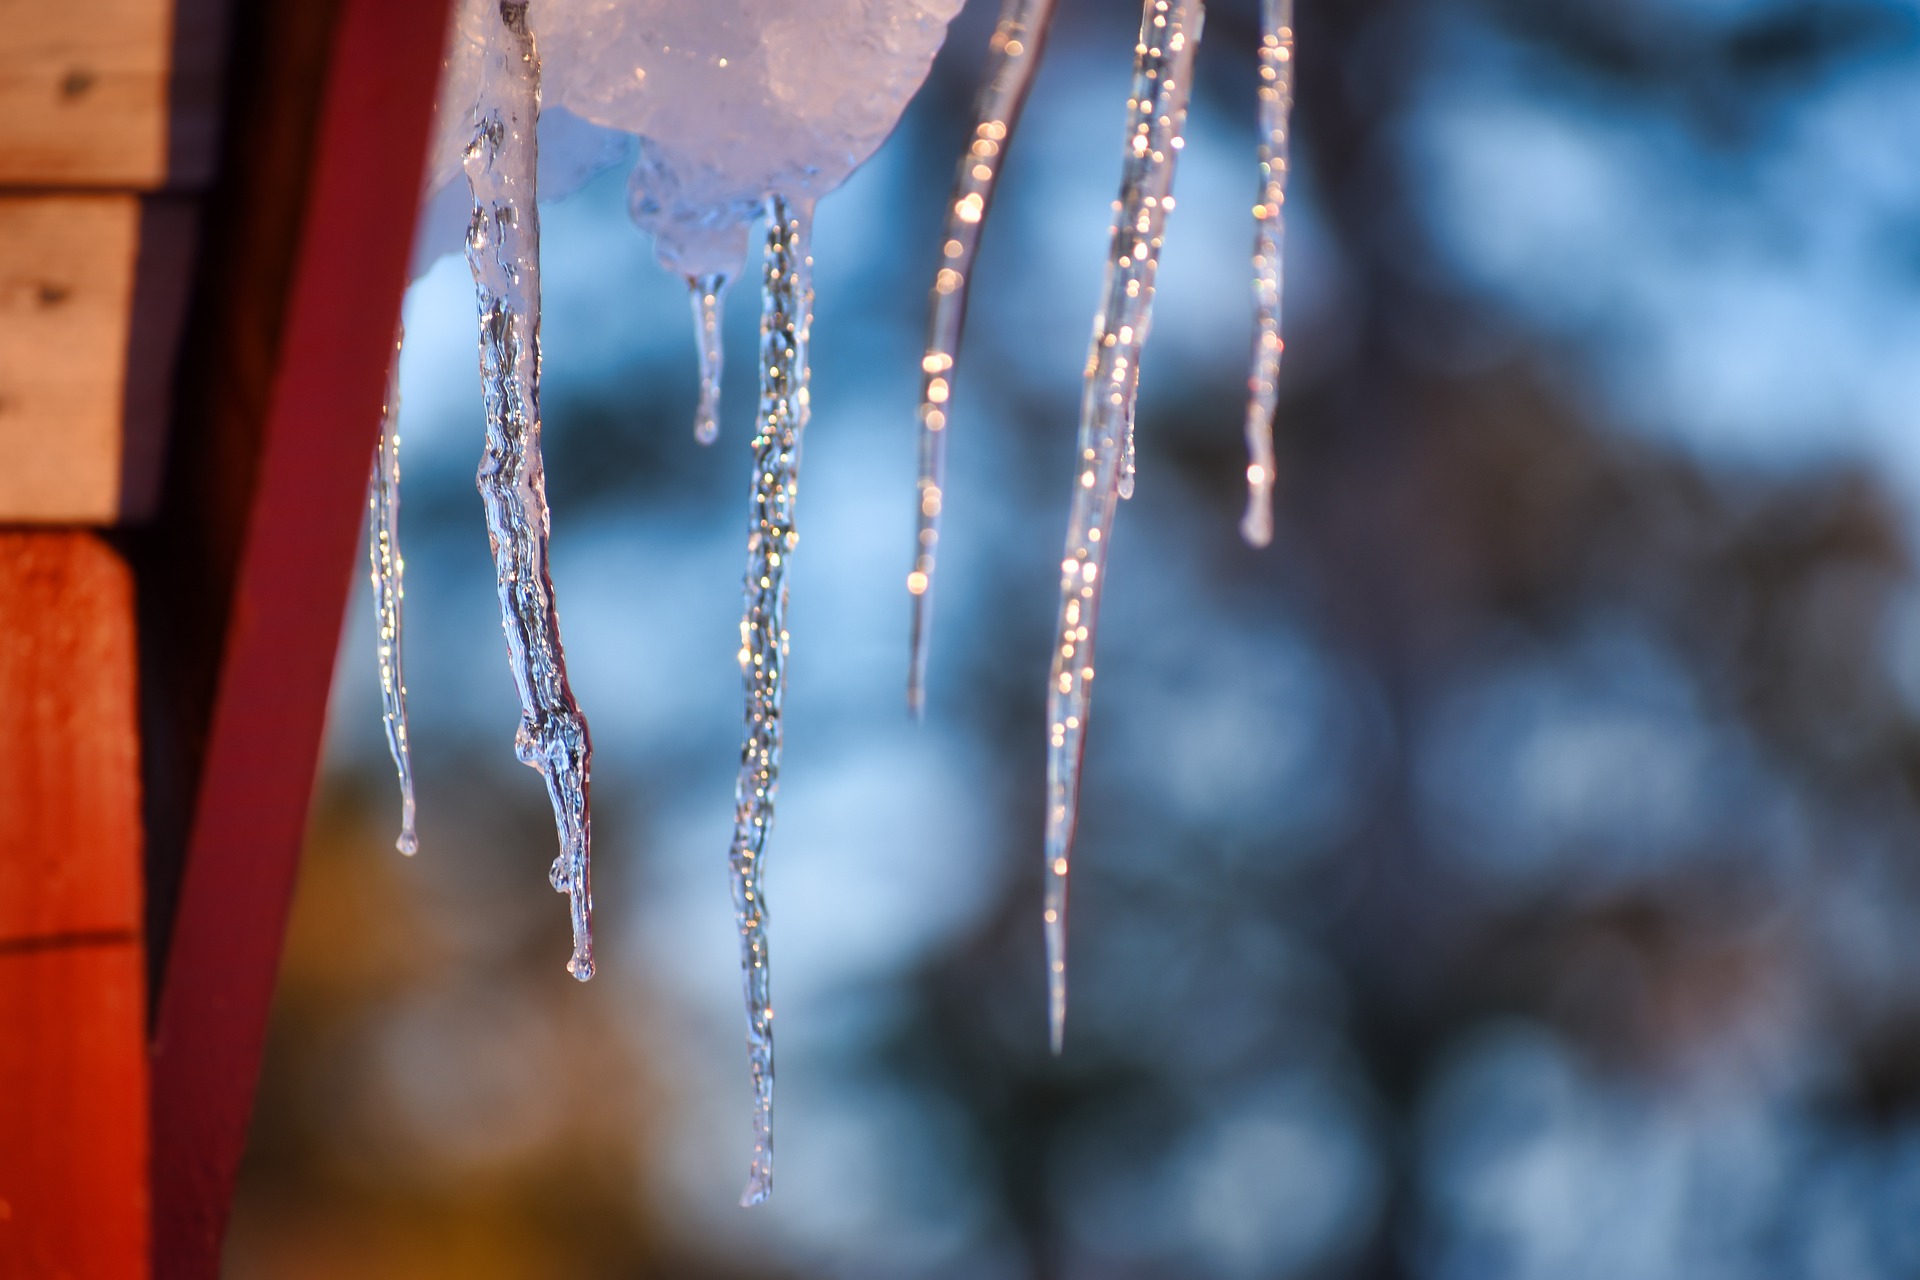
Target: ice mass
(728, 125)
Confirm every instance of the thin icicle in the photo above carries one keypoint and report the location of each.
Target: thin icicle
(1269, 242)
(708, 293)
(1163, 68)
(388, 572)
(1014, 57)
(1124, 486)
(503, 248)
(786, 314)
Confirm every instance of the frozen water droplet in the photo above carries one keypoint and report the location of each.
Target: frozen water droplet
(503, 249)
(785, 318)
(709, 292)
(388, 571)
(1269, 243)
(1014, 57)
(1162, 80)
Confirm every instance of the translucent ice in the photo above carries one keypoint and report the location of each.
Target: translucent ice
(1014, 57)
(708, 294)
(1162, 80)
(1269, 212)
(570, 150)
(744, 109)
(786, 315)
(737, 100)
(503, 249)
(388, 570)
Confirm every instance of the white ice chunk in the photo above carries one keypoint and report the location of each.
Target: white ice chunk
(736, 100)
(571, 150)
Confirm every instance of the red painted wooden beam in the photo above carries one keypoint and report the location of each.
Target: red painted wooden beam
(73, 1061)
(296, 565)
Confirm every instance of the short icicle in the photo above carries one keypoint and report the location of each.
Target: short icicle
(785, 317)
(708, 293)
(1269, 213)
(1014, 57)
(503, 248)
(1163, 69)
(388, 572)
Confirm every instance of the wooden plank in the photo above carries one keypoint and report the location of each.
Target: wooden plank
(73, 1112)
(66, 286)
(94, 95)
(297, 563)
(69, 748)
(92, 291)
(73, 1067)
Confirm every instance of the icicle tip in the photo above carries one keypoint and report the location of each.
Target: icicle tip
(1256, 528)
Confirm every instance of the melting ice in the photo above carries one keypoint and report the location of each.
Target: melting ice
(1269, 212)
(1162, 80)
(503, 249)
(388, 572)
(746, 109)
(707, 292)
(1013, 58)
(738, 119)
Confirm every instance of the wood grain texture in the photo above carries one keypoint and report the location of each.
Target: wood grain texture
(73, 1065)
(92, 290)
(94, 95)
(66, 298)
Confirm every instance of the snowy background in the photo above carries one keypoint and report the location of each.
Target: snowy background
(1514, 874)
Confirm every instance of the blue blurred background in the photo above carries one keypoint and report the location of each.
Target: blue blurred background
(1513, 873)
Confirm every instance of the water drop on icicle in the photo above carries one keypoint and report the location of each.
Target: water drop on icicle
(503, 249)
(1014, 58)
(1263, 383)
(708, 293)
(388, 572)
(786, 315)
(1163, 71)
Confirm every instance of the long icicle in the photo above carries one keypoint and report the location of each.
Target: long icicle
(1163, 72)
(1014, 57)
(503, 248)
(786, 315)
(708, 293)
(1269, 243)
(388, 572)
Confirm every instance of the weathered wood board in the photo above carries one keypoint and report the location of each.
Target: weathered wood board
(92, 290)
(108, 93)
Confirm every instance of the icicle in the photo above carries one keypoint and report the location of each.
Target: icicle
(1163, 66)
(1263, 383)
(1124, 486)
(1014, 58)
(786, 314)
(388, 572)
(503, 248)
(709, 293)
